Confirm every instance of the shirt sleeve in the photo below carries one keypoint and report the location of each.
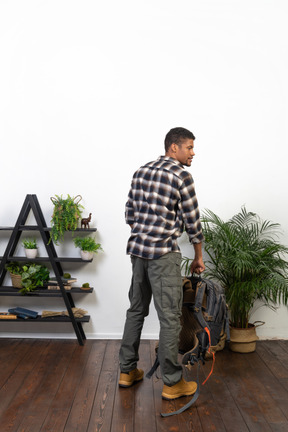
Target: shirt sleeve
(129, 209)
(190, 210)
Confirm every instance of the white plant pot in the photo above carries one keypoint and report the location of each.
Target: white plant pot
(86, 256)
(31, 253)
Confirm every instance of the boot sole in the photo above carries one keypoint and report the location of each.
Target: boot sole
(166, 396)
(177, 396)
(126, 384)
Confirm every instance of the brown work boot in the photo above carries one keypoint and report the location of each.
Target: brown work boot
(182, 388)
(127, 379)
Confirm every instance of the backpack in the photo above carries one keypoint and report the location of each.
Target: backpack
(205, 327)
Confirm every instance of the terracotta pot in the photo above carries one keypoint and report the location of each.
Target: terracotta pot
(243, 340)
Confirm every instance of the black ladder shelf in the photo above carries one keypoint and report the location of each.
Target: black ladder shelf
(31, 203)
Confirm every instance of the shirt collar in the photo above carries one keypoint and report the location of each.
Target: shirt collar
(172, 160)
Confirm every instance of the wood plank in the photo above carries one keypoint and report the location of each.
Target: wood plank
(275, 357)
(284, 344)
(123, 412)
(9, 363)
(13, 355)
(57, 361)
(208, 412)
(60, 407)
(123, 409)
(102, 410)
(144, 398)
(59, 386)
(237, 376)
(36, 369)
(82, 405)
(220, 398)
(274, 398)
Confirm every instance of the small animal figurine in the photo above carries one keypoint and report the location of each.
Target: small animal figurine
(85, 221)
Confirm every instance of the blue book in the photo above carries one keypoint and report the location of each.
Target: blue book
(23, 313)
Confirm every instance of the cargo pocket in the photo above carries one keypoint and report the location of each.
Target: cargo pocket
(171, 293)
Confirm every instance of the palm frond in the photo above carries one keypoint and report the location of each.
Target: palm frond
(246, 258)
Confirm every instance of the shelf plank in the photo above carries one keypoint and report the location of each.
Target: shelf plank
(10, 291)
(39, 319)
(36, 228)
(47, 259)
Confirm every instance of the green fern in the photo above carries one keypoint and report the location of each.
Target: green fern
(66, 215)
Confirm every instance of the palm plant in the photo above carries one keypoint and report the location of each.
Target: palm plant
(247, 260)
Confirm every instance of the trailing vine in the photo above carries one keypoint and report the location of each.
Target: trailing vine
(65, 216)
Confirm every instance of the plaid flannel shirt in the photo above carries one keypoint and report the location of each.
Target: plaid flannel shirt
(161, 201)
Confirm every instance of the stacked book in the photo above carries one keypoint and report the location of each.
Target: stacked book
(22, 313)
(67, 282)
(7, 315)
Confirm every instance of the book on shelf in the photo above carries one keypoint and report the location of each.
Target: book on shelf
(23, 312)
(64, 280)
(67, 287)
(7, 315)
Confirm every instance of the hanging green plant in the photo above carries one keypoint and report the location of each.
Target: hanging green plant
(66, 214)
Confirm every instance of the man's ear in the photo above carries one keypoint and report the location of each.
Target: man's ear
(174, 147)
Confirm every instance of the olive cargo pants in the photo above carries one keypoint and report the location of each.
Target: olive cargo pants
(162, 279)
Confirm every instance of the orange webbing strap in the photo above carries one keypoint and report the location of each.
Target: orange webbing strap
(210, 352)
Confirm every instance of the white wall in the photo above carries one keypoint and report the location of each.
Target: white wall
(88, 91)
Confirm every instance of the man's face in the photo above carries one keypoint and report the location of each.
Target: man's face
(184, 152)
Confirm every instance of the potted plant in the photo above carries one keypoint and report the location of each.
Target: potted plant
(246, 258)
(30, 276)
(66, 214)
(33, 276)
(15, 269)
(30, 247)
(88, 247)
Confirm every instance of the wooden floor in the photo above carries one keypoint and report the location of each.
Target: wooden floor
(56, 385)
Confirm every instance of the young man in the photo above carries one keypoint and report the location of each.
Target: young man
(161, 203)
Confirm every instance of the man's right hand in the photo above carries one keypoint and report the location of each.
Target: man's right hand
(197, 265)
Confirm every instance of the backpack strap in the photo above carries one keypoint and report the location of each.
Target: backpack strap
(154, 367)
(197, 308)
(191, 402)
(197, 393)
(210, 352)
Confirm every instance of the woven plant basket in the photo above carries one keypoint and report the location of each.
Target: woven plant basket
(244, 340)
(16, 280)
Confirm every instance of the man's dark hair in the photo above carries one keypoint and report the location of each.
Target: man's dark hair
(177, 135)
